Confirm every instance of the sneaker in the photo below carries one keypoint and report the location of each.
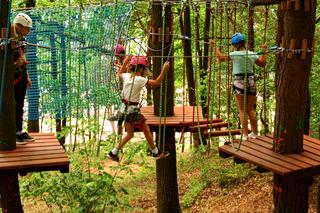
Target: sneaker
(245, 138)
(113, 157)
(27, 137)
(253, 135)
(160, 155)
(20, 140)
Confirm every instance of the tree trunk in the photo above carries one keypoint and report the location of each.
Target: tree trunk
(187, 53)
(292, 78)
(9, 187)
(7, 103)
(167, 186)
(167, 183)
(10, 194)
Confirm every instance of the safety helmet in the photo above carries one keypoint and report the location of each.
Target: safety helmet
(138, 60)
(118, 49)
(237, 38)
(23, 19)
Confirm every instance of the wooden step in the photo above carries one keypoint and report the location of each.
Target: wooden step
(195, 122)
(259, 153)
(208, 126)
(222, 133)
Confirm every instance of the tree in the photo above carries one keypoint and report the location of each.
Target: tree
(167, 186)
(9, 188)
(295, 27)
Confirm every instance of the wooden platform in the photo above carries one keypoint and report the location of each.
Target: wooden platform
(181, 114)
(259, 152)
(44, 154)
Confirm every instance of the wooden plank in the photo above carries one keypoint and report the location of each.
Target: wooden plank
(270, 157)
(44, 154)
(308, 151)
(255, 144)
(38, 143)
(27, 153)
(32, 157)
(222, 133)
(203, 127)
(33, 163)
(259, 152)
(255, 160)
(39, 148)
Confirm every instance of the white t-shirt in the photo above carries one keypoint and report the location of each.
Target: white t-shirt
(132, 91)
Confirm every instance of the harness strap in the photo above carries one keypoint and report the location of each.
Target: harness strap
(129, 103)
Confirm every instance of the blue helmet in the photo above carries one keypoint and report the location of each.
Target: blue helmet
(237, 38)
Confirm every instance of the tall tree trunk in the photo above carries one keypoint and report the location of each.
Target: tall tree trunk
(187, 53)
(292, 78)
(167, 185)
(204, 70)
(9, 187)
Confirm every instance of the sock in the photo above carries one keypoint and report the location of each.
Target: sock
(155, 150)
(114, 151)
(19, 133)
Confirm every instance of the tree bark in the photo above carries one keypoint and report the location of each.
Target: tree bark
(10, 194)
(7, 112)
(9, 187)
(292, 78)
(187, 53)
(167, 186)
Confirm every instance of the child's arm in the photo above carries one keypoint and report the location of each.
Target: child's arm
(222, 57)
(219, 54)
(124, 66)
(261, 62)
(157, 82)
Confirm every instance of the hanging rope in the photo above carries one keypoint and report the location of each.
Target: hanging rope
(265, 74)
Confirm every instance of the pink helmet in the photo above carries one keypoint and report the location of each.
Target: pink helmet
(118, 49)
(136, 60)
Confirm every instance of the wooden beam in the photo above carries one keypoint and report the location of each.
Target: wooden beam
(264, 2)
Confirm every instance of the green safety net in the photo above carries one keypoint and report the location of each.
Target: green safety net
(71, 54)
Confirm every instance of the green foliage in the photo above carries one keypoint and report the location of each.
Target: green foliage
(195, 188)
(207, 170)
(87, 188)
(228, 175)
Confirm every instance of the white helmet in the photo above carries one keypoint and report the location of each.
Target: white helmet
(23, 19)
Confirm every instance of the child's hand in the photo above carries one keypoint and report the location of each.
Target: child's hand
(29, 82)
(264, 47)
(166, 66)
(127, 59)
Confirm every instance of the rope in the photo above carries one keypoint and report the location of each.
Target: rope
(266, 129)
(79, 77)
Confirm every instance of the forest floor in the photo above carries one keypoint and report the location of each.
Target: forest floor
(253, 193)
(206, 183)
